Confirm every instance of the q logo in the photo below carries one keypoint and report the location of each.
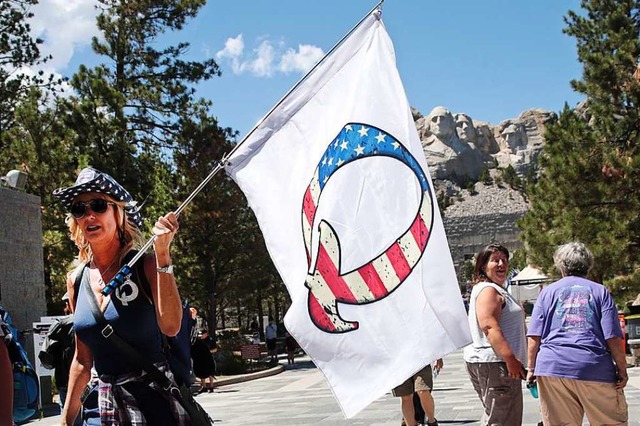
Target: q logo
(379, 277)
(127, 292)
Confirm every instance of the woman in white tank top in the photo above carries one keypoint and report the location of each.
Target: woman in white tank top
(495, 359)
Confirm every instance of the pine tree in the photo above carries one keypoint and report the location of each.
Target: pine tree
(588, 189)
(128, 110)
(18, 49)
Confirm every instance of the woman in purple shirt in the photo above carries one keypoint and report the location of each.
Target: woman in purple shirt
(575, 347)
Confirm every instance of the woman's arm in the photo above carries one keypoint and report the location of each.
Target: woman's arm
(163, 285)
(532, 353)
(488, 311)
(79, 375)
(619, 357)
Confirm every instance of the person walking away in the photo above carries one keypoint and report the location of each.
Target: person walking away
(271, 334)
(204, 366)
(495, 358)
(422, 384)
(104, 223)
(290, 345)
(575, 346)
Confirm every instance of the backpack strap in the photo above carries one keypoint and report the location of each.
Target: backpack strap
(196, 414)
(77, 282)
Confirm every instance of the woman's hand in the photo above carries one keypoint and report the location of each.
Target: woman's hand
(530, 376)
(621, 378)
(515, 367)
(439, 364)
(164, 230)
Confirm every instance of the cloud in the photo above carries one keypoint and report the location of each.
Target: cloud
(262, 63)
(302, 60)
(268, 58)
(65, 26)
(233, 48)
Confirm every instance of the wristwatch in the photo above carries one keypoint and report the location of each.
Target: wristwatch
(165, 269)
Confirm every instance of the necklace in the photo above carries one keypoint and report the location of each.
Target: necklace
(106, 270)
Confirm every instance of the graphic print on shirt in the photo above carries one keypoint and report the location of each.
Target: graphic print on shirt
(127, 292)
(379, 277)
(575, 308)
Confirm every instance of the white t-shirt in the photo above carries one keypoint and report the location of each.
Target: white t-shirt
(271, 331)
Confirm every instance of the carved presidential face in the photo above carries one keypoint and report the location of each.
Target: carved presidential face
(464, 127)
(441, 123)
(514, 137)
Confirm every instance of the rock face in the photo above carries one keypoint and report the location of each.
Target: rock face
(457, 148)
(450, 155)
(490, 214)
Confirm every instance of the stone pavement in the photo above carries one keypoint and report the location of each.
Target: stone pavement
(300, 396)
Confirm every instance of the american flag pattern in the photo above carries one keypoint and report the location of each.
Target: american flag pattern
(381, 276)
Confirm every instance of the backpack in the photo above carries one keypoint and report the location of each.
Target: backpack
(26, 389)
(177, 349)
(57, 348)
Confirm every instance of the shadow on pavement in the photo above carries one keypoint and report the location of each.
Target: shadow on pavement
(301, 365)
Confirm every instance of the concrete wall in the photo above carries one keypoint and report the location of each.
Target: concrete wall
(22, 291)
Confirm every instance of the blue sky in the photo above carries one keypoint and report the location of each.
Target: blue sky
(491, 60)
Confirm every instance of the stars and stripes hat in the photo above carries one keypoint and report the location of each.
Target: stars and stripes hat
(92, 180)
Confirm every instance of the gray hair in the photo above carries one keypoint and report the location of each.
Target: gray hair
(573, 259)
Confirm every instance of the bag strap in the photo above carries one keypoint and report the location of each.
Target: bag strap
(77, 282)
(124, 346)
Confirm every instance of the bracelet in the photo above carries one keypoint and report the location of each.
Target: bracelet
(165, 269)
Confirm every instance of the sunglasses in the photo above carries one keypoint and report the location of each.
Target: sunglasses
(97, 205)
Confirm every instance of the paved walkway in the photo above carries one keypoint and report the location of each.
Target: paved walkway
(300, 396)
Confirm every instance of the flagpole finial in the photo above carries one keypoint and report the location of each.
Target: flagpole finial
(377, 10)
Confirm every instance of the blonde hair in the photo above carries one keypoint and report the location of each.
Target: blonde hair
(129, 235)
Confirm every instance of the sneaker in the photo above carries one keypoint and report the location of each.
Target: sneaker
(434, 423)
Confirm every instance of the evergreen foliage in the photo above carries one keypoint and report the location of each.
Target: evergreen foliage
(18, 51)
(485, 176)
(588, 188)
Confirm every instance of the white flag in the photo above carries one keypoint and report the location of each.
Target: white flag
(338, 181)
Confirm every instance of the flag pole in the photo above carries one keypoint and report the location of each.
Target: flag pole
(125, 271)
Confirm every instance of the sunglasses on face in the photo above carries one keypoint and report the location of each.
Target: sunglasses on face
(97, 205)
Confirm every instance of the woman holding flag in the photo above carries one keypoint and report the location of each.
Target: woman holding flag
(105, 226)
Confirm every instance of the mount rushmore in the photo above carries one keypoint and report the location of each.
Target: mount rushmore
(458, 148)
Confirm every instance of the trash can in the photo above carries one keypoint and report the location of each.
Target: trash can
(633, 326)
(633, 329)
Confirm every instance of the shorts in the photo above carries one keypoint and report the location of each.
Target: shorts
(421, 381)
(566, 401)
(271, 344)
